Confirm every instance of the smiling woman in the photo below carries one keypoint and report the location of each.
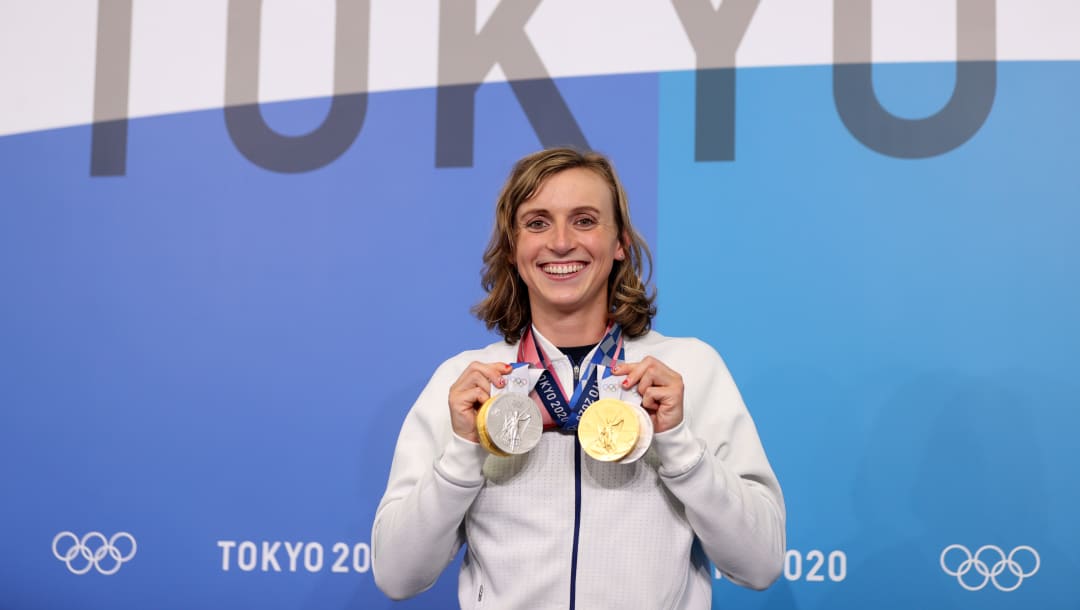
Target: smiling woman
(567, 242)
(585, 190)
(625, 484)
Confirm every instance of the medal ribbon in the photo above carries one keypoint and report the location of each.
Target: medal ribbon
(611, 386)
(567, 413)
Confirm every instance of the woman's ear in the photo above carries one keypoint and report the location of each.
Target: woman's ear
(620, 251)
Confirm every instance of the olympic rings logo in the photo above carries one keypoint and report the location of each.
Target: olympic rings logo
(981, 566)
(93, 551)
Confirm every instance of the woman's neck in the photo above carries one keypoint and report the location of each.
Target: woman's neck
(572, 330)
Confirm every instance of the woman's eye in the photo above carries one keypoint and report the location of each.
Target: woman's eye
(535, 224)
(585, 221)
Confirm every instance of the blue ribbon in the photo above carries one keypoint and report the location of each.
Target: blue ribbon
(567, 413)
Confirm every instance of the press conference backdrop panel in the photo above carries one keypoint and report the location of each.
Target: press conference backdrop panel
(237, 238)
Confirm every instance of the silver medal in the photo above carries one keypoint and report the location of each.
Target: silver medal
(514, 423)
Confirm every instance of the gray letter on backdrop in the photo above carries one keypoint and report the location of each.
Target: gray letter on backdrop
(880, 130)
(715, 35)
(243, 118)
(108, 138)
(465, 57)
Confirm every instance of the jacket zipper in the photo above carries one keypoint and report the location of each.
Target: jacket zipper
(577, 509)
(577, 521)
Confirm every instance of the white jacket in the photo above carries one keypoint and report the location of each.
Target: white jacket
(707, 482)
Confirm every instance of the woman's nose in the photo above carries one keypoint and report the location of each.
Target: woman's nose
(562, 238)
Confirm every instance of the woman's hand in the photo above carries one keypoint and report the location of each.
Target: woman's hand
(469, 393)
(660, 387)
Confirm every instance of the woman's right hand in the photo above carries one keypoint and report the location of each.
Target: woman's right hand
(469, 393)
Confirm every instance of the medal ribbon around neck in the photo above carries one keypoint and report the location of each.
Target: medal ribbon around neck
(567, 413)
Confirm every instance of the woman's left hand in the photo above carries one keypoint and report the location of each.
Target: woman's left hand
(660, 387)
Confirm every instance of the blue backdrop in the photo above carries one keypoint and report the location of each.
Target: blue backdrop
(215, 358)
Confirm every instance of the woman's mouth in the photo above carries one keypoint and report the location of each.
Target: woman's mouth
(562, 269)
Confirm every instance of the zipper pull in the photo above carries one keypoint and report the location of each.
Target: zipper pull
(577, 374)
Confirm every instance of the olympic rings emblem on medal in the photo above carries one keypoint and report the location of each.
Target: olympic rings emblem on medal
(980, 562)
(93, 550)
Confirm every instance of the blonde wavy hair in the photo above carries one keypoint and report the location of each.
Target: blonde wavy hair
(506, 306)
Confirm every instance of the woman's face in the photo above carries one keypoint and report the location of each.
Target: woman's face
(566, 243)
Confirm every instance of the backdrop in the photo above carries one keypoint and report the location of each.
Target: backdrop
(237, 237)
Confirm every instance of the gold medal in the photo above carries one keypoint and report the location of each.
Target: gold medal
(482, 429)
(608, 429)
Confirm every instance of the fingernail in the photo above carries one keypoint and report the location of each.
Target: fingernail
(626, 383)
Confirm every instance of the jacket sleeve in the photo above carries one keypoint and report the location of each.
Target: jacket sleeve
(434, 478)
(713, 462)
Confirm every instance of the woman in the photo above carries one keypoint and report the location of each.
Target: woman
(554, 528)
